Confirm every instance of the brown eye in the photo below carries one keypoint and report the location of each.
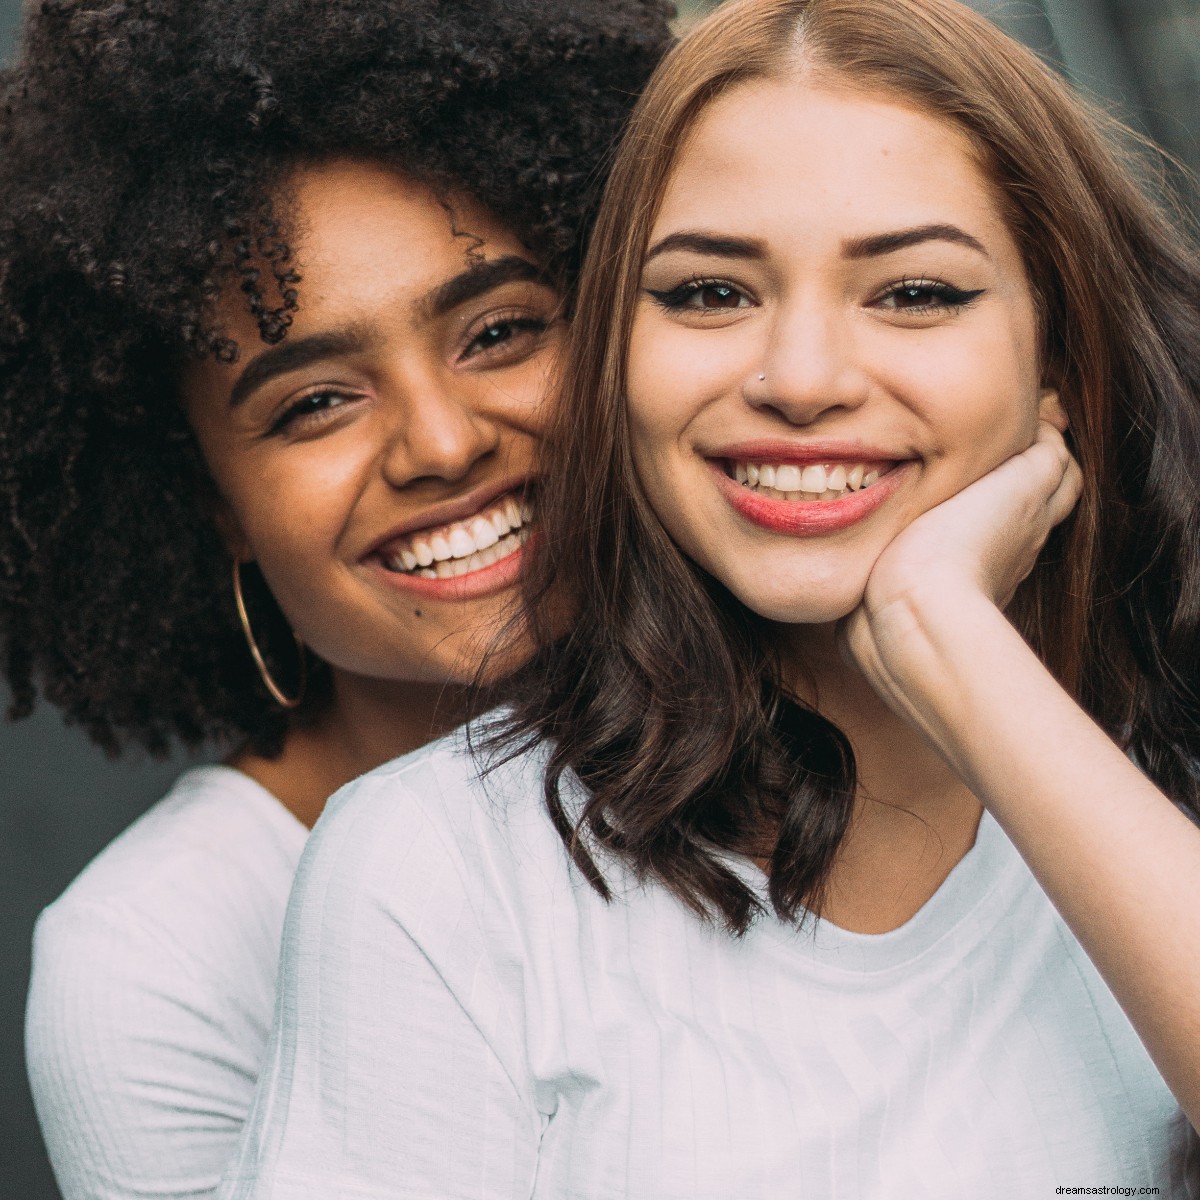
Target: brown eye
(926, 296)
(718, 295)
(311, 408)
(704, 295)
(507, 335)
(913, 297)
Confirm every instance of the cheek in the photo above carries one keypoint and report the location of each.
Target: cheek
(670, 377)
(525, 396)
(297, 513)
(650, 393)
(978, 395)
(293, 506)
(298, 577)
(680, 369)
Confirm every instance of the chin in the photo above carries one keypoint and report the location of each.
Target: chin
(486, 660)
(801, 606)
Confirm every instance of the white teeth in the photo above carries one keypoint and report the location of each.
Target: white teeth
(462, 544)
(463, 547)
(813, 479)
(814, 482)
(788, 479)
(483, 532)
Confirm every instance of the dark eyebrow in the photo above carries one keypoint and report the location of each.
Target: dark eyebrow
(292, 355)
(482, 278)
(707, 243)
(901, 239)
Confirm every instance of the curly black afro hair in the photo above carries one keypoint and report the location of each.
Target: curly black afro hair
(141, 143)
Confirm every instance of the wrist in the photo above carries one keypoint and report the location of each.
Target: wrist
(928, 631)
(924, 651)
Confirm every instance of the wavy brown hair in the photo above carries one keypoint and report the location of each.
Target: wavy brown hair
(664, 699)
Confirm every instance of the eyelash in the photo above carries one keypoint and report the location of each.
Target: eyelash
(677, 297)
(295, 410)
(518, 323)
(944, 295)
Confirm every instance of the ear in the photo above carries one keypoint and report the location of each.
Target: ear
(1050, 409)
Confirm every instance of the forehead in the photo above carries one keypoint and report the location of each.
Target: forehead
(810, 155)
(366, 238)
(345, 204)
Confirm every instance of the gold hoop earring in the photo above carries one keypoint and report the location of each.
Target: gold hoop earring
(277, 693)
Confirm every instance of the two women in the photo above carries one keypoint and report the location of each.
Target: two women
(798, 869)
(283, 291)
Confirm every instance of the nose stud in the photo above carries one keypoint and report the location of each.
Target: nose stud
(762, 377)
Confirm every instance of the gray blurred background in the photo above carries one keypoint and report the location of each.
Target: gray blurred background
(61, 800)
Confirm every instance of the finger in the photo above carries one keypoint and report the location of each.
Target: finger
(1050, 439)
(1048, 461)
(1065, 497)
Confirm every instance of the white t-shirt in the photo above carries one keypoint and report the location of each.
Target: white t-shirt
(462, 1018)
(153, 988)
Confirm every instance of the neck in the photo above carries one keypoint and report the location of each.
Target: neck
(368, 722)
(914, 818)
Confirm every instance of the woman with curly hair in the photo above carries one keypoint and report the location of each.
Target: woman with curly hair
(839, 846)
(281, 297)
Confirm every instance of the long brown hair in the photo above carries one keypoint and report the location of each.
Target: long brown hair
(664, 698)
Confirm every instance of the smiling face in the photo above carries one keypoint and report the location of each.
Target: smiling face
(835, 333)
(373, 462)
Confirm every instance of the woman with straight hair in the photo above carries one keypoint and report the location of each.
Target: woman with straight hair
(282, 295)
(839, 840)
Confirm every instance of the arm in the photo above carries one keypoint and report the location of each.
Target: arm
(1117, 858)
(395, 1067)
(140, 1088)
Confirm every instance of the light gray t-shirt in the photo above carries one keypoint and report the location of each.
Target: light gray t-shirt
(153, 988)
(462, 1018)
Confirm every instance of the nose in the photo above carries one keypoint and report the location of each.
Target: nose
(808, 366)
(434, 431)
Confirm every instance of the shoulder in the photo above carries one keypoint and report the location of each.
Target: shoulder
(458, 860)
(153, 986)
(445, 806)
(188, 901)
(185, 907)
(217, 852)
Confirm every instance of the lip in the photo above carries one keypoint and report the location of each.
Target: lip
(450, 511)
(488, 581)
(766, 451)
(809, 518)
